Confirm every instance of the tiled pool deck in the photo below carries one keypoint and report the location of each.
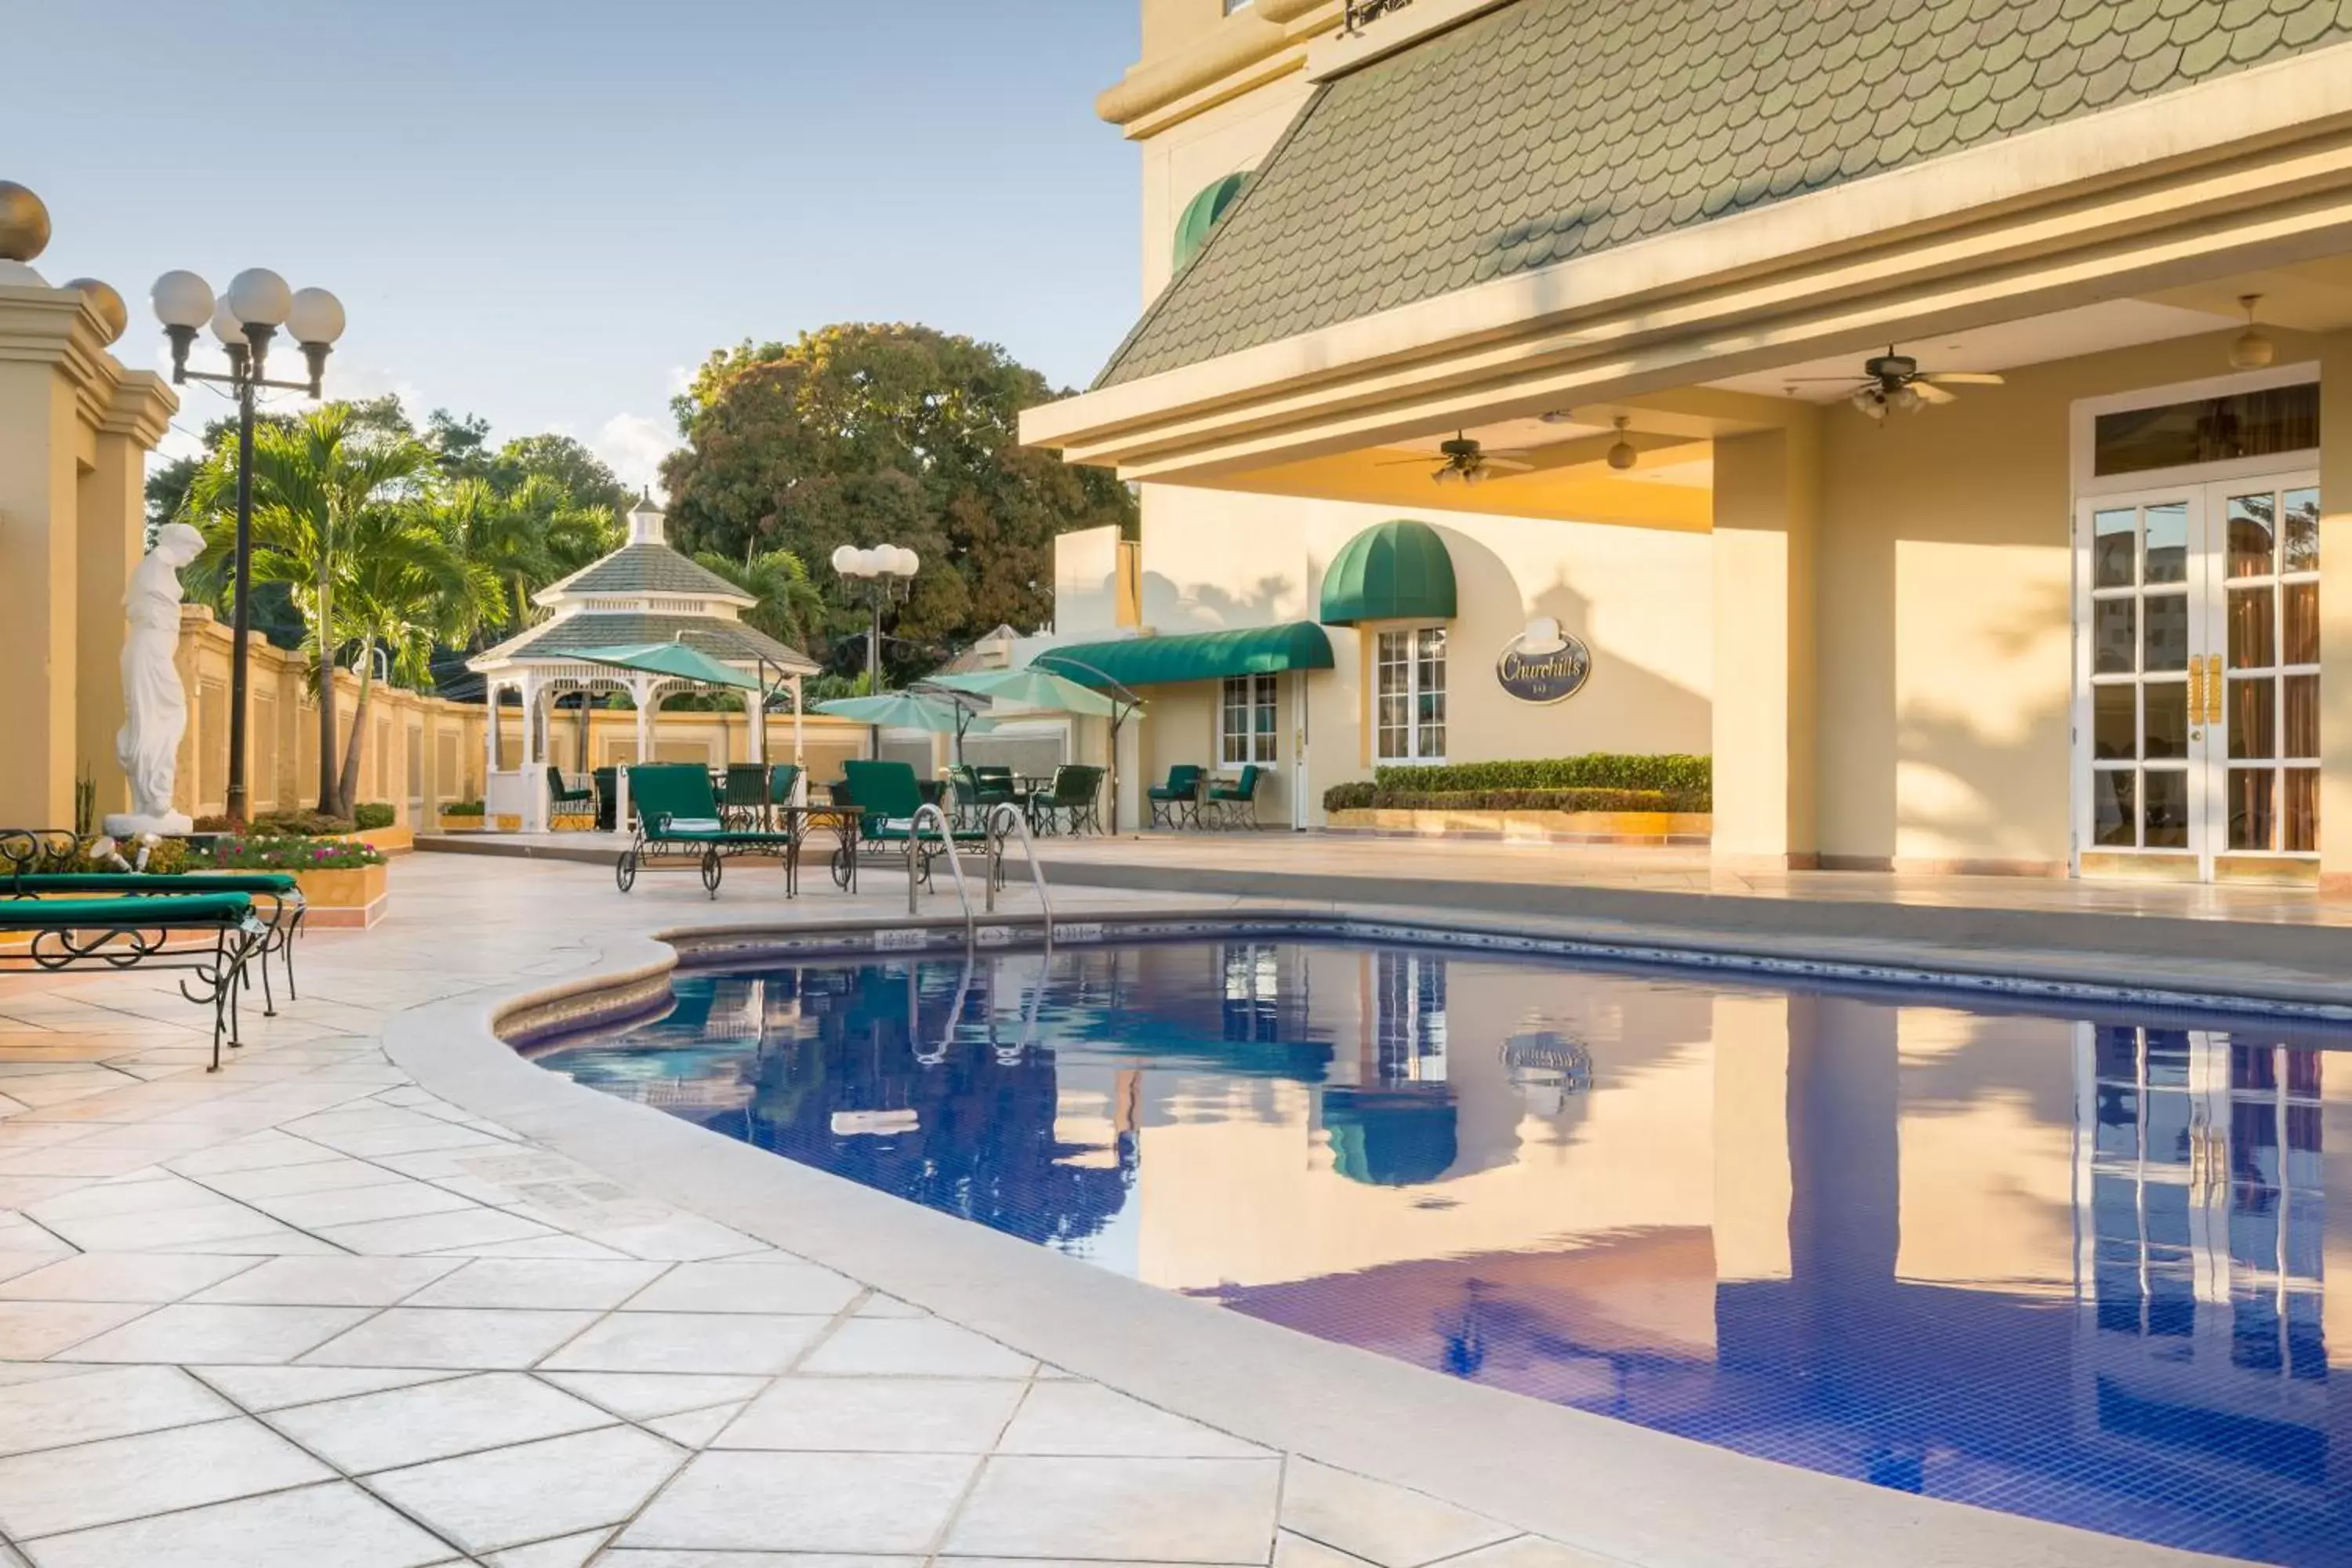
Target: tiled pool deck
(310, 1310)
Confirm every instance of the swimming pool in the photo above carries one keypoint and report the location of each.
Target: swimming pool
(2071, 1266)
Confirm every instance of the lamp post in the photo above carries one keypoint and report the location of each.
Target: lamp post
(887, 571)
(245, 318)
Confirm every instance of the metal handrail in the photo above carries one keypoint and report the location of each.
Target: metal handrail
(1029, 853)
(946, 842)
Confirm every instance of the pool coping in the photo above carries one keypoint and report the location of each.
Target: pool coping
(1632, 1494)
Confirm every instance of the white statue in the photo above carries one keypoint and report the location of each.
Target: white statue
(155, 708)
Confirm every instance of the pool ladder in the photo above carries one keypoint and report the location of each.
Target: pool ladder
(1004, 820)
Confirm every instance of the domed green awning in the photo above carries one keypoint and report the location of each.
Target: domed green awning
(1202, 213)
(1393, 572)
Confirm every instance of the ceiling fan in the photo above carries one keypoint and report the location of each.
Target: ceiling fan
(1895, 381)
(1464, 461)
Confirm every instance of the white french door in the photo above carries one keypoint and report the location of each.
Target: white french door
(2197, 721)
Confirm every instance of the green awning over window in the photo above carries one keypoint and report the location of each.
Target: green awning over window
(1198, 656)
(1393, 571)
(1202, 213)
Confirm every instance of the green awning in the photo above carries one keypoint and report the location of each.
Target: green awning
(1391, 571)
(1202, 213)
(1198, 656)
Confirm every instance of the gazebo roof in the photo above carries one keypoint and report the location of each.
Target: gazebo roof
(555, 641)
(643, 568)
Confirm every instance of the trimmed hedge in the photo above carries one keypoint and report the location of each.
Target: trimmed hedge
(1601, 781)
(1363, 796)
(374, 814)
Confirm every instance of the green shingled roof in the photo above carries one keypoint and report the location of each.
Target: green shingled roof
(602, 629)
(648, 568)
(1551, 128)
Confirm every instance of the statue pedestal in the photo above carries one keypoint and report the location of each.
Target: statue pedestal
(129, 825)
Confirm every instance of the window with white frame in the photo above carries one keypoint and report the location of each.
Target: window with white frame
(1246, 721)
(1409, 695)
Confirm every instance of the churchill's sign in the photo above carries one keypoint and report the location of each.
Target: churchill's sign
(1544, 664)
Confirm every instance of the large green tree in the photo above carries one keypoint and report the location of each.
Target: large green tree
(862, 434)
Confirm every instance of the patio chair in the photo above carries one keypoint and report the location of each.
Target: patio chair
(114, 933)
(1236, 804)
(975, 795)
(277, 902)
(678, 815)
(746, 799)
(889, 795)
(607, 782)
(782, 779)
(1177, 803)
(1074, 791)
(565, 801)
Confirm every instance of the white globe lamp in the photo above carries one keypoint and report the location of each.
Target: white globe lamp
(315, 316)
(182, 300)
(260, 297)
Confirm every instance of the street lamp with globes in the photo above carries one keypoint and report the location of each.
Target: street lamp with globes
(887, 571)
(245, 320)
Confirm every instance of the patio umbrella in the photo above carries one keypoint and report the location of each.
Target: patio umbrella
(1030, 688)
(942, 713)
(682, 660)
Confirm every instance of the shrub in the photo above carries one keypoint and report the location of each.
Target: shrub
(374, 814)
(216, 824)
(301, 825)
(1602, 781)
(163, 857)
(263, 852)
(461, 808)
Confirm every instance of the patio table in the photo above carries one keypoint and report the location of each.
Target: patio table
(842, 821)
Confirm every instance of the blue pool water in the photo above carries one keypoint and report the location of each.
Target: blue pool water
(2074, 1267)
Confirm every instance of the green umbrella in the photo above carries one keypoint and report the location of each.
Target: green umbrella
(944, 713)
(1030, 688)
(681, 661)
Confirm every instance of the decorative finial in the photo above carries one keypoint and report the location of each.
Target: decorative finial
(105, 302)
(24, 222)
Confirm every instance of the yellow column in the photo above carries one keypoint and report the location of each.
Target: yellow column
(41, 438)
(1767, 511)
(1751, 1137)
(2335, 613)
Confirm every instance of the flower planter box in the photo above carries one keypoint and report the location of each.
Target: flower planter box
(353, 897)
(393, 840)
(1655, 829)
(508, 821)
(467, 822)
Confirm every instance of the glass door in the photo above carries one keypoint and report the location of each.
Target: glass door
(2142, 616)
(2198, 741)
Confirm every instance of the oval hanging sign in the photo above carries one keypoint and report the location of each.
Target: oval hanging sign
(1544, 664)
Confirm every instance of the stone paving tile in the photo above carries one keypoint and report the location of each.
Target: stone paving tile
(1531, 1551)
(265, 1388)
(188, 1333)
(308, 1527)
(805, 1502)
(111, 1403)
(915, 1346)
(647, 1395)
(747, 1287)
(533, 1491)
(435, 1420)
(451, 1336)
(338, 1281)
(1175, 1510)
(433, 1232)
(101, 1277)
(551, 1282)
(694, 1428)
(1383, 1524)
(688, 1342)
(878, 1414)
(1081, 1418)
(58, 1489)
(570, 1552)
(35, 1331)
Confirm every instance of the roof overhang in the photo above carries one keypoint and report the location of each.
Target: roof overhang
(2254, 169)
(1193, 656)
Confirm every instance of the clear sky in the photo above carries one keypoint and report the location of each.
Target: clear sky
(547, 211)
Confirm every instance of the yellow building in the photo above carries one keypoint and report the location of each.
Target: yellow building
(2061, 611)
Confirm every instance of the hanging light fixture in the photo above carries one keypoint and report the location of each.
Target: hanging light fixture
(2251, 350)
(1623, 456)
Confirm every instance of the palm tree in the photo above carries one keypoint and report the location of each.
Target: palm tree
(791, 606)
(527, 538)
(403, 589)
(312, 482)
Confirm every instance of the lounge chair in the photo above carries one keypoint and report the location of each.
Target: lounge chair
(1235, 804)
(562, 800)
(746, 801)
(888, 794)
(105, 933)
(678, 815)
(783, 780)
(1076, 790)
(1177, 803)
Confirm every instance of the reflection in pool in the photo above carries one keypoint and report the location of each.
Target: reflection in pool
(2074, 1269)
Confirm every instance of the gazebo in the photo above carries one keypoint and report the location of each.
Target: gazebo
(644, 592)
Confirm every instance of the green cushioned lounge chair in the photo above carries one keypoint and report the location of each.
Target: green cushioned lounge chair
(1076, 790)
(1235, 804)
(889, 795)
(565, 801)
(101, 933)
(1177, 803)
(678, 815)
(277, 900)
